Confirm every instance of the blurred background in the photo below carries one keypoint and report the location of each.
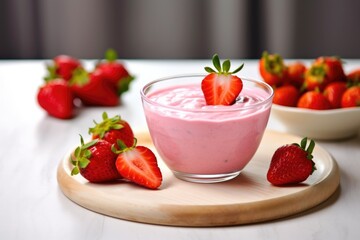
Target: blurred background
(178, 29)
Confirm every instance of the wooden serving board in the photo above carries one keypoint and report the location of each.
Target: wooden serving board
(249, 198)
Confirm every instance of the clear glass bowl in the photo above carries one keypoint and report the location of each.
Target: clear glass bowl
(202, 143)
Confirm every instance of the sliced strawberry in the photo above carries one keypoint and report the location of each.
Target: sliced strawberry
(139, 165)
(113, 129)
(56, 98)
(221, 88)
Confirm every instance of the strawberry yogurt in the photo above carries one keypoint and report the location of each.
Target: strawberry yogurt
(205, 143)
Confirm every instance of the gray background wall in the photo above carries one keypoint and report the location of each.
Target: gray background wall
(161, 29)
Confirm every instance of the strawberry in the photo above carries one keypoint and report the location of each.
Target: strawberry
(95, 161)
(323, 71)
(351, 97)
(56, 98)
(221, 88)
(313, 100)
(272, 69)
(113, 129)
(354, 76)
(291, 163)
(295, 74)
(93, 89)
(115, 72)
(62, 67)
(333, 92)
(138, 164)
(286, 95)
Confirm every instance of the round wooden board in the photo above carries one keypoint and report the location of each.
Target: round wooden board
(249, 198)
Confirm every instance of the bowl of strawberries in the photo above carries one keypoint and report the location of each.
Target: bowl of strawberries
(320, 101)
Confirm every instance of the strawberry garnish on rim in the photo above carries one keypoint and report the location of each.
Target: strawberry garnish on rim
(221, 87)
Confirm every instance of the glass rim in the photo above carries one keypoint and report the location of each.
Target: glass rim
(147, 86)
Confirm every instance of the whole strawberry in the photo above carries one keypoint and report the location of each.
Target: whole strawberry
(286, 95)
(56, 98)
(112, 130)
(93, 89)
(351, 97)
(62, 67)
(292, 163)
(323, 71)
(221, 87)
(115, 72)
(272, 69)
(138, 164)
(95, 161)
(334, 92)
(295, 73)
(314, 100)
(353, 77)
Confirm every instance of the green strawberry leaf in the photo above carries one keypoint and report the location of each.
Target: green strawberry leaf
(216, 62)
(111, 55)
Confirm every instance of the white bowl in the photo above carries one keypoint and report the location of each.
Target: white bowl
(319, 124)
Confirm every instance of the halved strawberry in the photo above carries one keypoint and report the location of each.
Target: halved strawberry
(221, 88)
(113, 129)
(138, 164)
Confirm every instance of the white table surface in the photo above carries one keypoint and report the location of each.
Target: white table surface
(32, 144)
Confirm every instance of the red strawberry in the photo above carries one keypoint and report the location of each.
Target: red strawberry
(291, 164)
(333, 92)
(272, 69)
(354, 76)
(56, 98)
(295, 73)
(351, 97)
(313, 100)
(138, 164)
(113, 129)
(93, 89)
(286, 95)
(95, 161)
(63, 67)
(115, 72)
(221, 88)
(323, 71)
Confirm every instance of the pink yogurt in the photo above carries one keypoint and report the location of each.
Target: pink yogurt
(195, 138)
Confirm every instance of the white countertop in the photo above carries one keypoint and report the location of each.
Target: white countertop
(32, 144)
